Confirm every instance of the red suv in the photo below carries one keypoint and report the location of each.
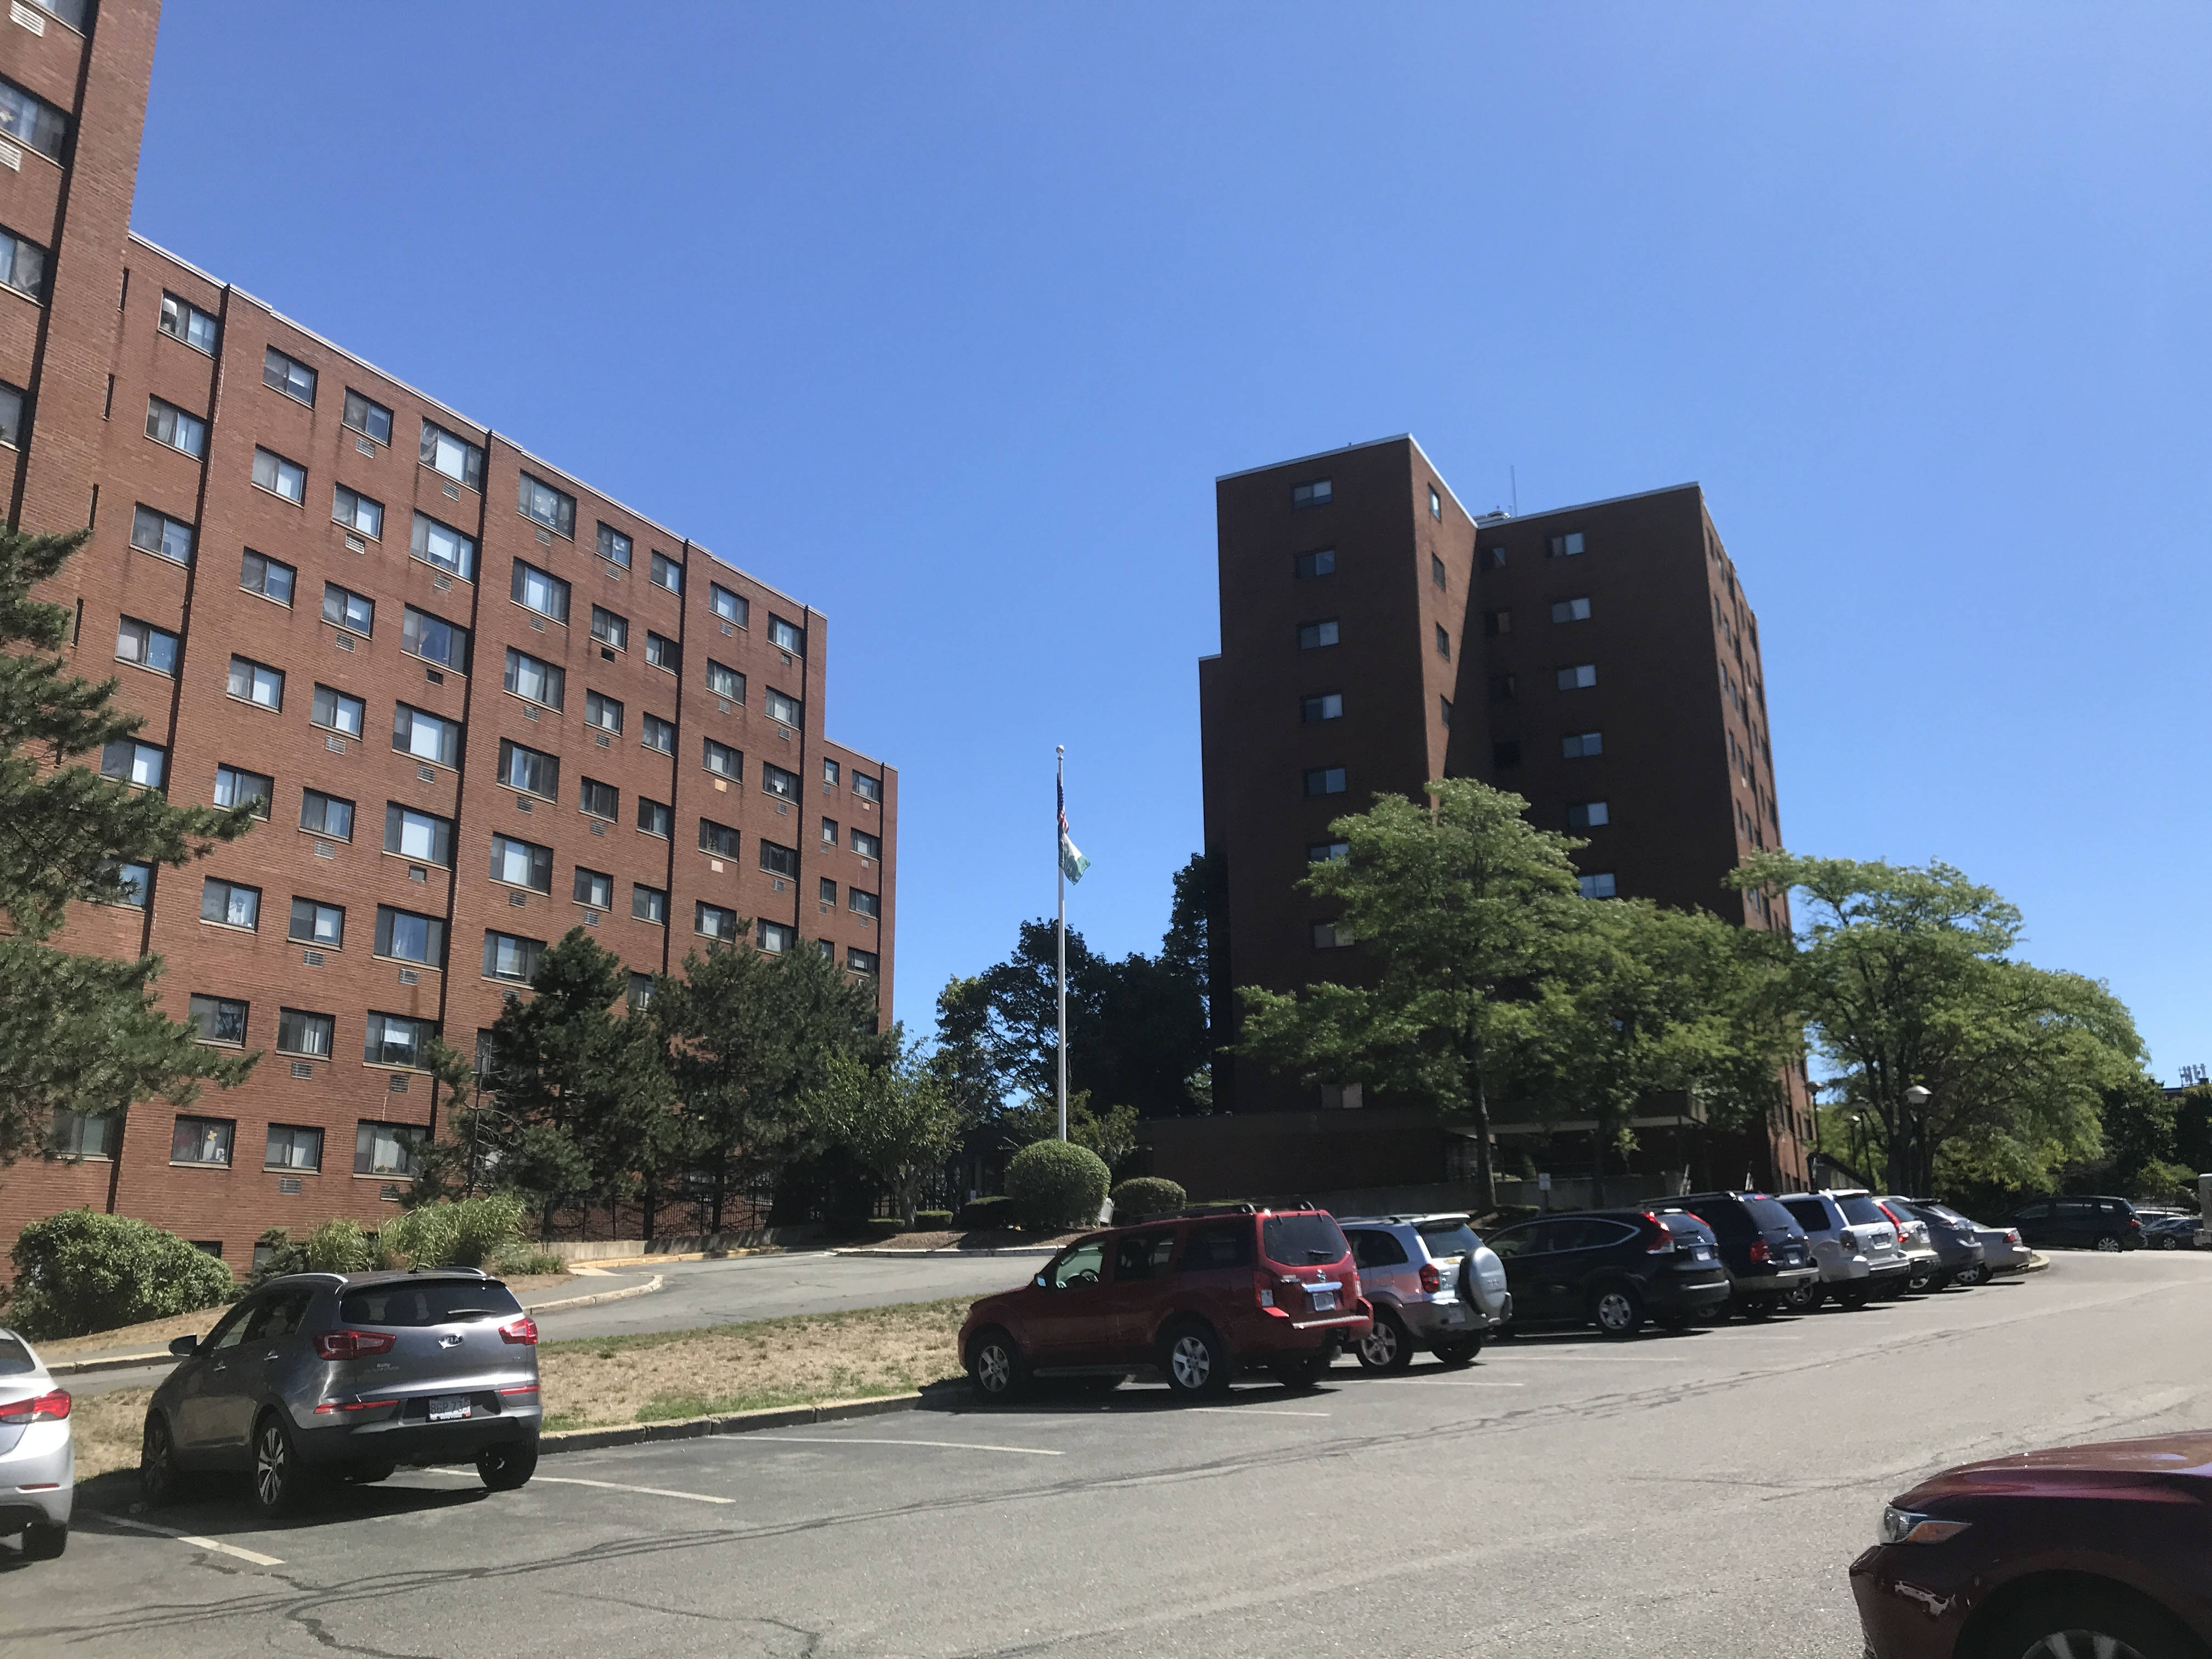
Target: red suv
(1198, 1295)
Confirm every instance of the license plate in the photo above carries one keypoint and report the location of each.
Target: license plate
(446, 1407)
(1323, 1301)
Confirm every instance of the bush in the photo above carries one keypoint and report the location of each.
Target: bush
(1147, 1195)
(885, 1227)
(78, 1272)
(932, 1221)
(995, 1211)
(518, 1262)
(1057, 1184)
(336, 1247)
(466, 1234)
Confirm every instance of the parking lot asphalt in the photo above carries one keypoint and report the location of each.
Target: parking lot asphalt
(1691, 1495)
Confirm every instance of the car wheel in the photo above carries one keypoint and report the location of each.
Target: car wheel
(996, 1368)
(2111, 1625)
(1920, 1284)
(1852, 1298)
(281, 1481)
(2107, 1241)
(508, 1465)
(2168, 1242)
(1803, 1298)
(1195, 1362)
(160, 1480)
(45, 1540)
(1453, 1356)
(1970, 1276)
(1301, 1374)
(1386, 1347)
(1617, 1310)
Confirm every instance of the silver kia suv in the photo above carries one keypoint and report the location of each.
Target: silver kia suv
(1432, 1283)
(316, 1377)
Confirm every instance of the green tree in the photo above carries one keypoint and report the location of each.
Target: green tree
(80, 1033)
(2192, 1129)
(894, 1120)
(2138, 1119)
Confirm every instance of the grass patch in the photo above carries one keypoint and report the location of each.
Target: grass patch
(105, 1428)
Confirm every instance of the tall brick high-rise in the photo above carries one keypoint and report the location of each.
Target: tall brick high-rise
(482, 702)
(1600, 661)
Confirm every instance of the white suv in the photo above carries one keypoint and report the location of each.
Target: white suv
(1854, 1243)
(1432, 1283)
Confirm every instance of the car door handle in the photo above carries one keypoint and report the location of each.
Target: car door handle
(274, 1354)
(220, 1366)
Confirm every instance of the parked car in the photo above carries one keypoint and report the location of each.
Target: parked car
(1611, 1268)
(2103, 1550)
(1431, 1283)
(2002, 1252)
(1761, 1245)
(1199, 1296)
(1960, 1254)
(1854, 1242)
(2095, 1222)
(2171, 1232)
(347, 1375)
(1922, 1259)
(38, 1457)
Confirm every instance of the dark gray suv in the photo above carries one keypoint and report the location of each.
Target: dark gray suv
(346, 1376)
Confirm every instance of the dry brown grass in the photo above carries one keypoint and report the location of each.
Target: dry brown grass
(105, 1428)
(977, 1239)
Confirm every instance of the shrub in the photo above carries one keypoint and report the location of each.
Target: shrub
(995, 1212)
(885, 1227)
(336, 1247)
(1057, 1184)
(464, 1234)
(78, 1272)
(518, 1262)
(932, 1221)
(1147, 1195)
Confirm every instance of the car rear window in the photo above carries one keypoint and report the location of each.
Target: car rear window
(1300, 1241)
(1446, 1238)
(438, 1302)
(1812, 1215)
(1863, 1209)
(1767, 1213)
(1686, 1223)
(14, 1358)
(1944, 1213)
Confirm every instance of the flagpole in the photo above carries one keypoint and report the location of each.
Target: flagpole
(1060, 868)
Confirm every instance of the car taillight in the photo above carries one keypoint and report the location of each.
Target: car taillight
(330, 1406)
(351, 1345)
(1352, 1284)
(1431, 1280)
(1895, 1220)
(1758, 1250)
(2011, 1235)
(522, 1330)
(1263, 1290)
(1664, 1242)
(2136, 1222)
(39, 1408)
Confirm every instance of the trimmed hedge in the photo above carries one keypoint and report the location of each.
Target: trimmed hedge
(78, 1272)
(997, 1211)
(1147, 1195)
(932, 1221)
(885, 1227)
(1058, 1184)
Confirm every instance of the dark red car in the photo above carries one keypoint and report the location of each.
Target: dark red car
(2082, 1552)
(1198, 1295)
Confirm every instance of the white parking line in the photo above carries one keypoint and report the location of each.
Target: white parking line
(878, 1440)
(1250, 1410)
(615, 1485)
(216, 1545)
(1466, 1383)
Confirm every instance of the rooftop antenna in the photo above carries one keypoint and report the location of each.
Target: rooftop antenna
(1514, 478)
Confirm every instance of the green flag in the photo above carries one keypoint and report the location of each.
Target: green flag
(1072, 864)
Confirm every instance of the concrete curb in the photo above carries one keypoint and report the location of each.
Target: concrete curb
(695, 1428)
(952, 1249)
(121, 1362)
(2037, 1261)
(645, 1289)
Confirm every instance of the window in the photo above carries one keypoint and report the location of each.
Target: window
(272, 579)
(667, 574)
(829, 890)
(288, 375)
(301, 1033)
(779, 861)
(1490, 558)
(425, 736)
(1495, 623)
(1320, 563)
(1437, 575)
(1596, 886)
(725, 682)
(782, 705)
(1329, 706)
(715, 921)
(442, 545)
(531, 770)
(1580, 678)
(1318, 493)
(868, 846)
(201, 1140)
(368, 417)
(356, 512)
(1570, 610)
(82, 1135)
(32, 120)
(388, 1149)
(600, 800)
(522, 864)
(594, 888)
(183, 320)
(554, 508)
(272, 472)
(829, 832)
(316, 923)
(654, 817)
(610, 629)
(159, 534)
(662, 653)
(648, 903)
(718, 839)
(786, 636)
(1505, 756)
(1444, 710)
(411, 937)
(660, 734)
(256, 682)
(229, 903)
(325, 815)
(1444, 643)
(455, 457)
(421, 835)
(1436, 507)
(725, 760)
(11, 415)
(146, 645)
(1580, 745)
(859, 961)
(602, 711)
(1329, 852)
(143, 763)
(168, 424)
(861, 903)
(775, 938)
(333, 709)
(540, 591)
(1565, 547)
(1325, 781)
(830, 772)
(1331, 936)
(528, 677)
(614, 545)
(729, 607)
(868, 788)
(23, 266)
(434, 639)
(640, 991)
(292, 1147)
(505, 957)
(355, 612)
(137, 882)
(235, 786)
(1315, 634)
(774, 780)
(217, 1019)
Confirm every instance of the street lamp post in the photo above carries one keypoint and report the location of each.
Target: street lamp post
(1917, 1098)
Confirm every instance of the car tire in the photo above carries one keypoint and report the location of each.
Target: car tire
(2168, 1242)
(1920, 1284)
(1300, 1374)
(1969, 1277)
(2107, 1241)
(1456, 1355)
(1195, 1361)
(1852, 1298)
(1617, 1310)
(1386, 1347)
(282, 1483)
(507, 1466)
(1805, 1298)
(45, 1540)
(160, 1480)
(2051, 1627)
(996, 1369)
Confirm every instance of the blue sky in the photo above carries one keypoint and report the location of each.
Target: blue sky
(945, 319)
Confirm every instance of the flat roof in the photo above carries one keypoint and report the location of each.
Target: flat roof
(1584, 507)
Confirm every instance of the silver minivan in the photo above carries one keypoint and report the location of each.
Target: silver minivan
(1853, 1242)
(316, 1377)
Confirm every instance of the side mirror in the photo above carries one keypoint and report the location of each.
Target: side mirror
(184, 1346)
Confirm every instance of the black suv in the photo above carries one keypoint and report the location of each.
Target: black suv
(1610, 1268)
(1762, 1245)
(2094, 1223)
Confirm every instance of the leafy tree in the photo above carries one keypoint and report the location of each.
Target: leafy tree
(964, 1060)
(1112, 1133)
(2192, 1129)
(894, 1120)
(80, 1033)
(2138, 1122)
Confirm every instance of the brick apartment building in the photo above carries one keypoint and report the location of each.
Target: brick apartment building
(1600, 661)
(482, 702)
